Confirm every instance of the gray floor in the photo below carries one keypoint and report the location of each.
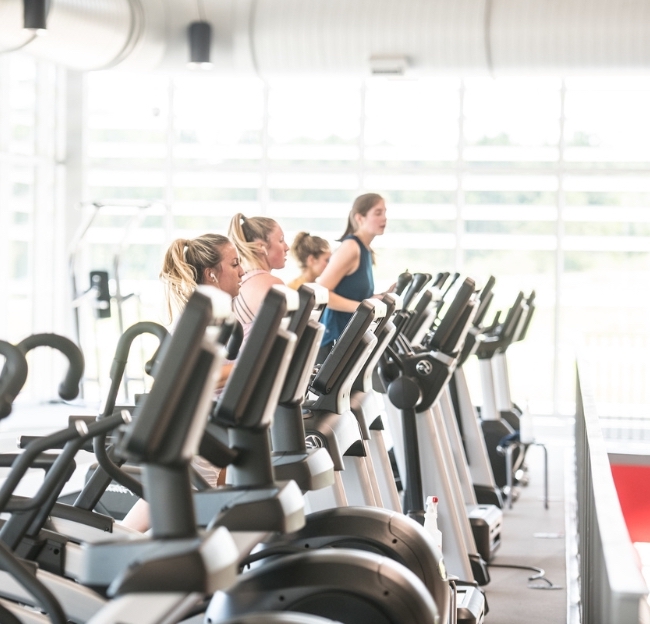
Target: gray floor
(534, 536)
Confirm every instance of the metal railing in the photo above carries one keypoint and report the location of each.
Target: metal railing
(612, 588)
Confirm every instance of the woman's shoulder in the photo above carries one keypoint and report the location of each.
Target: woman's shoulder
(296, 283)
(350, 245)
(258, 283)
(254, 273)
(251, 294)
(265, 277)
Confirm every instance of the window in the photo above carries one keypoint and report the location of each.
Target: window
(540, 182)
(29, 278)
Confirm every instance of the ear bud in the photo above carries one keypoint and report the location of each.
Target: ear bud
(214, 279)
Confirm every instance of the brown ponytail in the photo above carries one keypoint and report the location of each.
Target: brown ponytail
(305, 245)
(362, 205)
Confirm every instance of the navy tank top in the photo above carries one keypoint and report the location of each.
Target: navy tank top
(358, 286)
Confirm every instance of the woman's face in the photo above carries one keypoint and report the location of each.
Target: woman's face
(229, 271)
(374, 222)
(276, 249)
(317, 264)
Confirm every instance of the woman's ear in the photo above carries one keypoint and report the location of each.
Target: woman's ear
(210, 276)
(261, 246)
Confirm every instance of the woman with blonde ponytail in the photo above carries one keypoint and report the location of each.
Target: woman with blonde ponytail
(260, 243)
(312, 254)
(348, 275)
(213, 260)
(208, 259)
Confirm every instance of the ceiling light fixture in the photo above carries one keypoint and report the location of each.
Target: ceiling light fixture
(200, 38)
(35, 15)
(389, 65)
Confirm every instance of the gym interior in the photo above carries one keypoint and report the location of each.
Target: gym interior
(501, 368)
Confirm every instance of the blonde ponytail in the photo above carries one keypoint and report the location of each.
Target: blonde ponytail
(184, 264)
(246, 234)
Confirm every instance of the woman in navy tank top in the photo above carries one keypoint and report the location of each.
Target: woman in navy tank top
(348, 276)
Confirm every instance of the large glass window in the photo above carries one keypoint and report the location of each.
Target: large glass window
(539, 182)
(17, 171)
(23, 181)
(28, 273)
(606, 238)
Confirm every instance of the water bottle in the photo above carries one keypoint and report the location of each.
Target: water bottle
(431, 520)
(526, 431)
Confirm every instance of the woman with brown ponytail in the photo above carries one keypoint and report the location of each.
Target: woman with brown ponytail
(312, 254)
(348, 275)
(260, 243)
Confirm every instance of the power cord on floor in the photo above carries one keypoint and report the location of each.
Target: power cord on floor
(540, 576)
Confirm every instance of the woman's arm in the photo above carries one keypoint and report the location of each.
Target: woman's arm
(344, 261)
(138, 517)
(341, 304)
(226, 369)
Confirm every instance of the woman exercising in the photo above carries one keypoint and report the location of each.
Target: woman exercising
(209, 259)
(312, 254)
(261, 245)
(212, 260)
(348, 275)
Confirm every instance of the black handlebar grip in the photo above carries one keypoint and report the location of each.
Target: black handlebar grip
(235, 341)
(124, 345)
(403, 280)
(531, 297)
(418, 282)
(440, 280)
(13, 376)
(454, 279)
(161, 333)
(69, 387)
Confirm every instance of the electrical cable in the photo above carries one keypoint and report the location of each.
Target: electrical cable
(540, 576)
(201, 9)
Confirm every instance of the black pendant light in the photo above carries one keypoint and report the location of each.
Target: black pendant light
(35, 15)
(200, 37)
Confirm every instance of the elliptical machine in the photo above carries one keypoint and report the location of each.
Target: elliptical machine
(414, 382)
(357, 585)
(497, 429)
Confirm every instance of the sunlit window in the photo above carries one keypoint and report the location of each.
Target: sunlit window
(30, 280)
(540, 182)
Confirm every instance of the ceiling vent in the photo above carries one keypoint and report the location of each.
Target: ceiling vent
(388, 65)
